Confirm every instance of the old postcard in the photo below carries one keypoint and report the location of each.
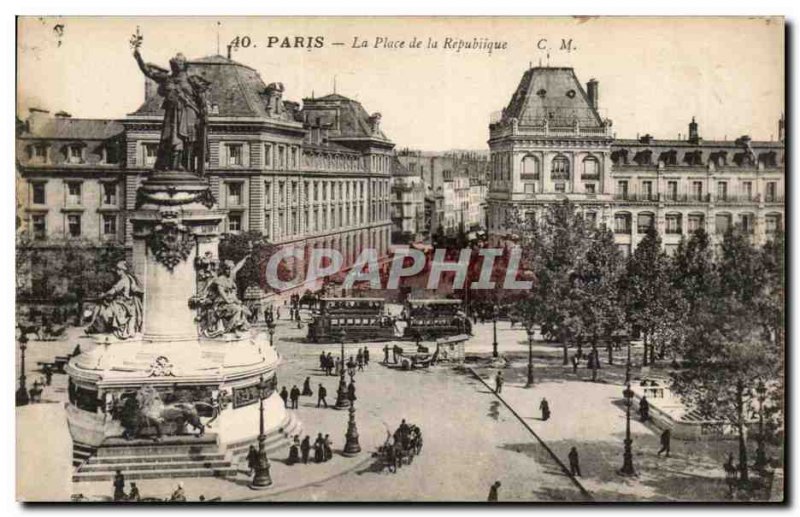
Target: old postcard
(400, 259)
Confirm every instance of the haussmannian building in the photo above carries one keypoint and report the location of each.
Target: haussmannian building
(316, 175)
(550, 143)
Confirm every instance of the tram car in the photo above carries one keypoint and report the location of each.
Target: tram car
(351, 319)
(435, 318)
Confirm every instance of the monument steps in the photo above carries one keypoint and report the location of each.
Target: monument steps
(156, 464)
(276, 441)
(200, 471)
(98, 460)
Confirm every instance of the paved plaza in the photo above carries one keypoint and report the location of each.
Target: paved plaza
(472, 438)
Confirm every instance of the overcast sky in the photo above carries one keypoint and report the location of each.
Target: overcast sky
(654, 73)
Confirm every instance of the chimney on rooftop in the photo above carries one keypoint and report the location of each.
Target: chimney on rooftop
(694, 135)
(592, 90)
(36, 119)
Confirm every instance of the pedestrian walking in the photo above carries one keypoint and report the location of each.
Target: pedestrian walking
(285, 397)
(574, 463)
(330, 364)
(323, 361)
(307, 388)
(544, 407)
(360, 356)
(252, 459)
(494, 492)
(366, 356)
(178, 496)
(321, 394)
(305, 448)
(665, 442)
(327, 448)
(386, 354)
(48, 374)
(360, 362)
(575, 363)
(351, 391)
(119, 486)
(294, 396)
(498, 382)
(644, 409)
(134, 496)
(294, 453)
(319, 454)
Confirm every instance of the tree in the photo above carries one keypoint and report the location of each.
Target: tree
(554, 247)
(648, 289)
(596, 284)
(727, 352)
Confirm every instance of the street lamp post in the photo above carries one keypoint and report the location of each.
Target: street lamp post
(22, 392)
(628, 366)
(494, 332)
(627, 456)
(261, 478)
(529, 384)
(351, 445)
(342, 401)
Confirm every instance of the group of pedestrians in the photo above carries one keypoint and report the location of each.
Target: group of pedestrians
(291, 398)
(333, 365)
(300, 451)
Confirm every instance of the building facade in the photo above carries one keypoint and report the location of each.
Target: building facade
(312, 176)
(550, 143)
(408, 205)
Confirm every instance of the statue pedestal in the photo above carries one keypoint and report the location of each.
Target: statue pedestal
(169, 380)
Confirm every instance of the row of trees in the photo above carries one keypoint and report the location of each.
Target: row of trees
(716, 311)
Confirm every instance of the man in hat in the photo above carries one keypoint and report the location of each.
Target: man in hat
(494, 492)
(321, 394)
(294, 396)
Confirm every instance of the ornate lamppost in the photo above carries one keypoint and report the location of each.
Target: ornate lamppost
(627, 456)
(761, 455)
(351, 445)
(22, 391)
(341, 394)
(494, 331)
(261, 478)
(529, 383)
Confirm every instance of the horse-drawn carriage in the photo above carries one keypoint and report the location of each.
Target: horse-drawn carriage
(400, 448)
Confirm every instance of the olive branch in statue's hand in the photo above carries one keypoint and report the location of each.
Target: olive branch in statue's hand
(136, 40)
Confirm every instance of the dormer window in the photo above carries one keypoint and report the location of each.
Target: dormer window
(74, 153)
(38, 152)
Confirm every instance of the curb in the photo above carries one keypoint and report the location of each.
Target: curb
(530, 430)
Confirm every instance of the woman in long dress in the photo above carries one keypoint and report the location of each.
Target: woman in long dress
(120, 310)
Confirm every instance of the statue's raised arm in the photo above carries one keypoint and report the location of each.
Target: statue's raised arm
(239, 265)
(154, 72)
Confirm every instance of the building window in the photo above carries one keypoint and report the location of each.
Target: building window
(748, 223)
(622, 189)
(74, 153)
(696, 222)
(281, 193)
(772, 192)
(109, 224)
(268, 226)
(39, 224)
(672, 190)
(74, 225)
(591, 219)
(560, 187)
(39, 153)
(530, 188)
(747, 190)
(673, 223)
(234, 223)
(647, 190)
(235, 155)
(722, 191)
(150, 153)
(109, 193)
(268, 155)
(697, 190)
(38, 193)
(530, 166)
(723, 222)
(560, 168)
(590, 188)
(772, 223)
(644, 223)
(267, 192)
(281, 157)
(294, 192)
(74, 193)
(591, 168)
(622, 223)
(234, 194)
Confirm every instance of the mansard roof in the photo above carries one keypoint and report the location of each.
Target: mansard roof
(67, 128)
(552, 94)
(344, 117)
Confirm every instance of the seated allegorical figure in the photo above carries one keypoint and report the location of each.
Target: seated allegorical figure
(119, 310)
(219, 309)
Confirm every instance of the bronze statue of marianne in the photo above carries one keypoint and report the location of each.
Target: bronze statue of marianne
(183, 144)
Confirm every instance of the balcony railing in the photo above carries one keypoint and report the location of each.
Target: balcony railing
(590, 177)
